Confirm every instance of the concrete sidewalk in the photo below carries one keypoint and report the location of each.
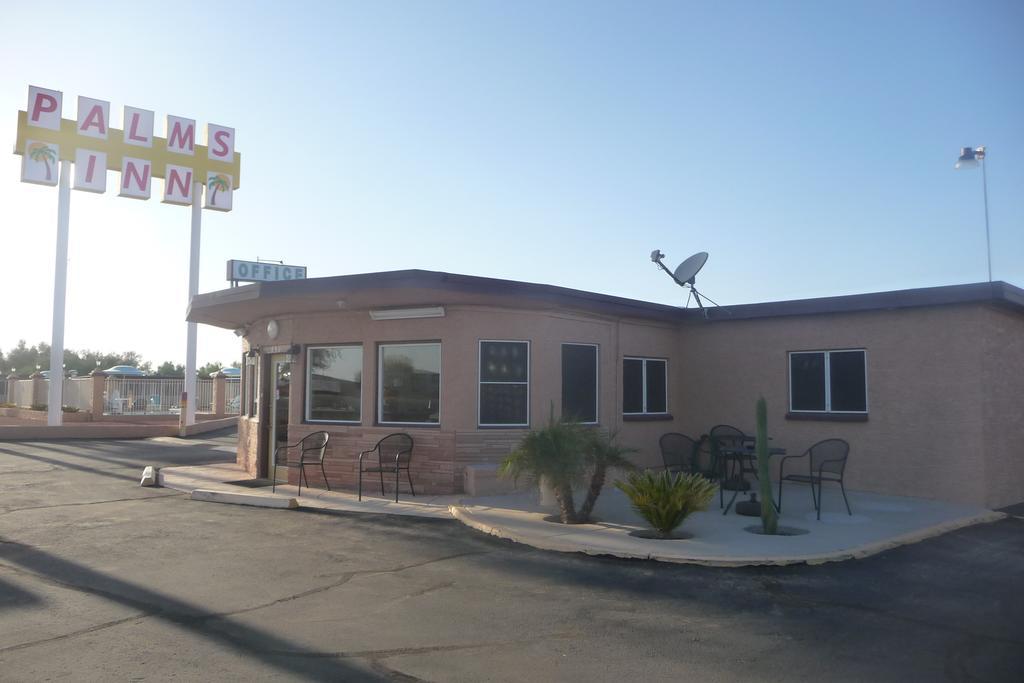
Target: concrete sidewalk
(878, 523)
(215, 478)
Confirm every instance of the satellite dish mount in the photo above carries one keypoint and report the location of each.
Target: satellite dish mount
(685, 275)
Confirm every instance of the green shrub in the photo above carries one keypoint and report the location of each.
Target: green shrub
(8, 404)
(666, 500)
(603, 451)
(39, 406)
(69, 409)
(555, 452)
(564, 453)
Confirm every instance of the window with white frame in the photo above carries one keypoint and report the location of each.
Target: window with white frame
(644, 386)
(504, 395)
(579, 382)
(334, 383)
(409, 383)
(828, 381)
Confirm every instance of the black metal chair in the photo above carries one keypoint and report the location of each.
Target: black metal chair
(826, 461)
(394, 453)
(728, 438)
(677, 452)
(312, 449)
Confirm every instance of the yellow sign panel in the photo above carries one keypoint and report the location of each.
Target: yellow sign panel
(67, 140)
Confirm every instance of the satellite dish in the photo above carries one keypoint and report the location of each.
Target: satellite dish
(685, 275)
(688, 269)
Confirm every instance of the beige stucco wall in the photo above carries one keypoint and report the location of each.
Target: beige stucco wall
(944, 389)
(1003, 406)
(926, 432)
(458, 440)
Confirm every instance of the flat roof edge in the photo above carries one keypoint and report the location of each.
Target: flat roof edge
(602, 303)
(996, 292)
(203, 307)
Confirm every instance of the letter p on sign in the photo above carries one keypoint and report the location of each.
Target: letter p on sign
(44, 107)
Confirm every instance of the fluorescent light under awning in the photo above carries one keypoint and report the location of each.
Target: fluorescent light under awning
(405, 313)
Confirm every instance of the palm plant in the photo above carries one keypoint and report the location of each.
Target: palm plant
(217, 182)
(40, 151)
(666, 500)
(603, 452)
(555, 452)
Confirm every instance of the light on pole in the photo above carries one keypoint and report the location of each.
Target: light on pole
(972, 158)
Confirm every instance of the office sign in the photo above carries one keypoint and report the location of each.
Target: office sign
(45, 138)
(254, 271)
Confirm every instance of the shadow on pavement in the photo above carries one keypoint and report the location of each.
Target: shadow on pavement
(12, 596)
(66, 465)
(269, 649)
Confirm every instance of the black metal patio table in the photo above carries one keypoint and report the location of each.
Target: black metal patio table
(736, 456)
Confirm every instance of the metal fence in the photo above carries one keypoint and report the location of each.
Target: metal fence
(142, 395)
(204, 395)
(125, 395)
(233, 396)
(159, 396)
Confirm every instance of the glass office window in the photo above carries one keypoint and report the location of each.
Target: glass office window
(334, 383)
(409, 390)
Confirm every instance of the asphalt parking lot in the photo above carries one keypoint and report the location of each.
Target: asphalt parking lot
(103, 580)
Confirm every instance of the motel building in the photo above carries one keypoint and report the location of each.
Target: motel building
(926, 384)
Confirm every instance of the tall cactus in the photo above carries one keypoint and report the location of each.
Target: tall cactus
(769, 516)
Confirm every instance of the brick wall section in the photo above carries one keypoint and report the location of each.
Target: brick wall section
(433, 468)
(485, 446)
(248, 446)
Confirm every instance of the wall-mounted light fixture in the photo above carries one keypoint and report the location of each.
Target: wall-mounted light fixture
(406, 313)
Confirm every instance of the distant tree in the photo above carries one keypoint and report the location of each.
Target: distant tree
(209, 369)
(24, 359)
(170, 369)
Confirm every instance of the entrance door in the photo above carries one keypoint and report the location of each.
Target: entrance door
(280, 391)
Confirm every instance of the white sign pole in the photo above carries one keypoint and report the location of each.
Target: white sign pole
(193, 289)
(54, 414)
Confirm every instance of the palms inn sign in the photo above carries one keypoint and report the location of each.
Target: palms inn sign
(44, 138)
(49, 144)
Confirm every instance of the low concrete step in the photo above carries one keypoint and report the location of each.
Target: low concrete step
(254, 500)
(483, 480)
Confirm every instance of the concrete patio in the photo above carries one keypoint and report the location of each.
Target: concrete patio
(878, 523)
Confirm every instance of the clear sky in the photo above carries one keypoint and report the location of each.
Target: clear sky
(808, 146)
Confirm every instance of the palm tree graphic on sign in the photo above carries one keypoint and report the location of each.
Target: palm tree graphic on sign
(217, 182)
(40, 151)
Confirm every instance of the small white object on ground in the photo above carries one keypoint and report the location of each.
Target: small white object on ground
(148, 476)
